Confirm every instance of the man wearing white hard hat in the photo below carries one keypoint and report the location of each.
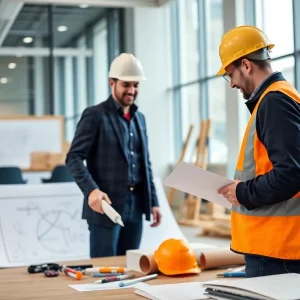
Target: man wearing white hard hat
(112, 138)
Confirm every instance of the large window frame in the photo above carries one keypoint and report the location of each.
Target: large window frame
(249, 16)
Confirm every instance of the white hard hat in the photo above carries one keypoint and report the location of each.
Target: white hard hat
(126, 67)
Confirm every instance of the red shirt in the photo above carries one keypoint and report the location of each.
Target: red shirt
(127, 116)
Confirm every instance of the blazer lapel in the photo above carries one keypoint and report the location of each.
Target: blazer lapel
(118, 129)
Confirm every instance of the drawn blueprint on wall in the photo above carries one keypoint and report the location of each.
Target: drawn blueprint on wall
(42, 223)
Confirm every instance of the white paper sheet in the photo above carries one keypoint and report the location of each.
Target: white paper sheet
(178, 291)
(90, 287)
(42, 223)
(198, 182)
(169, 228)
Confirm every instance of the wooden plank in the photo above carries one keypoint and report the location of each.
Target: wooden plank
(171, 192)
(189, 209)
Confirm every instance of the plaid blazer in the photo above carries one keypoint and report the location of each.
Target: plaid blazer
(98, 140)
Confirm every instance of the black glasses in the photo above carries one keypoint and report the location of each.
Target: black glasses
(227, 76)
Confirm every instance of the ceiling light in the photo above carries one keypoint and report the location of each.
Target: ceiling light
(12, 66)
(3, 80)
(83, 5)
(28, 40)
(62, 28)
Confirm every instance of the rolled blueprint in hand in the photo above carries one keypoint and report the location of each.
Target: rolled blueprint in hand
(220, 258)
(148, 264)
(111, 213)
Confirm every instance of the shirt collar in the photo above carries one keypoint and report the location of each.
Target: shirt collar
(260, 85)
(119, 108)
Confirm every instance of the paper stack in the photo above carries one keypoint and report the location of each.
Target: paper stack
(178, 291)
(274, 287)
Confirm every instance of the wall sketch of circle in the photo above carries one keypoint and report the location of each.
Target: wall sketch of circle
(59, 231)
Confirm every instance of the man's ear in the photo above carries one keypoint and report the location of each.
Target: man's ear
(111, 82)
(246, 64)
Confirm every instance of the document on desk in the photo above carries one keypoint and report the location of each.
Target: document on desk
(177, 291)
(198, 182)
(272, 287)
(90, 287)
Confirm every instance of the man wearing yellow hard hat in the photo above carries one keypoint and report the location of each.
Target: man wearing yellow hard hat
(265, 214)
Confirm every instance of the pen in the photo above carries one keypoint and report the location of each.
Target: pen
(105, 274)
(105, 270)
(129, 282)
(232, 274)
(72, 273)
(114, 278)
(80, 267)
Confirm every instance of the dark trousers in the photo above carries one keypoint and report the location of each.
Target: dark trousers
(263, 266)
(115, 240)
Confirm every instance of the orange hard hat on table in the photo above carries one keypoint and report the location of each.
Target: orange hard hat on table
(175, 256)
(242, 41)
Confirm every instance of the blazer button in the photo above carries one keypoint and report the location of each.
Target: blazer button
(131, 188)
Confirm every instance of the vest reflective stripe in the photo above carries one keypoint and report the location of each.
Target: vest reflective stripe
(265, 230)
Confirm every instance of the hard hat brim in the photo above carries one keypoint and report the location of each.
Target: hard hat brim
(129, 78)
(221, 72)
(190, 271)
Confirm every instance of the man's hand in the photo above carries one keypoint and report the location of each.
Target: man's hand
(95, 198)
(229, 192)
(156, 216)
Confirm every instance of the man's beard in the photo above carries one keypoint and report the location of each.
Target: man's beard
(246, 95)
(121, 98)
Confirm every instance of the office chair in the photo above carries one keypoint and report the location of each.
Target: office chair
(59, 174)
(11, 175)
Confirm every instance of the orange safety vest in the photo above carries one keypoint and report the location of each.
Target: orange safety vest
(270, 230)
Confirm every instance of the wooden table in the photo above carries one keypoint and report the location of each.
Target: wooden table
(17, 283)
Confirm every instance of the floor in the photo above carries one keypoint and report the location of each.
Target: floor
(191, 233)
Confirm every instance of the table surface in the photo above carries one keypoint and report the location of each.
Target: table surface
(17, 283)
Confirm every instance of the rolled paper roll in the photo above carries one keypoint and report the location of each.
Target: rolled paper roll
(148, 264)
(220, 258)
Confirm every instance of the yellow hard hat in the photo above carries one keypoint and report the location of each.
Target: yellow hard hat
(175, 256)
(239, 42)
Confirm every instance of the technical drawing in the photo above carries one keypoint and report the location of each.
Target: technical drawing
(58, 230)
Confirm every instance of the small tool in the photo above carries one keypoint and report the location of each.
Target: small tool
(114, 278)
(105, 274)
(41, 268)
(133, 281)
(232, 274)
(79, 267)
(72, 273)
(105, 270)
(51, 273)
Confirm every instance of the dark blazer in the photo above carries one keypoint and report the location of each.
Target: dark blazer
(99, 140)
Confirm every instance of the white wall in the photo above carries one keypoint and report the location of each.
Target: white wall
(151, 39)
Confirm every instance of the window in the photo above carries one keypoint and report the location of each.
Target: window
(279, 33)
(15, 82)
(190, 115)
(101, 62)
(287, 67)
(188, 18)
(81, 89)
(214, 29)
(217, 114)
